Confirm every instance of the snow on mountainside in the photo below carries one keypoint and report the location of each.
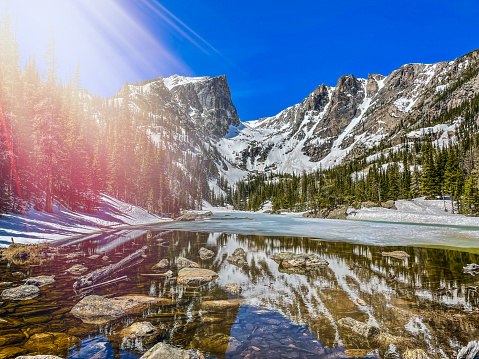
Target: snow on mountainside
(337, 123)
(196, 116)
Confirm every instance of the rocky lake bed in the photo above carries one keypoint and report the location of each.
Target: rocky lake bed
(157, 292)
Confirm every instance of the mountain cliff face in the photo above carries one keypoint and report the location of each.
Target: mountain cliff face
(331, 125)
(336, 123)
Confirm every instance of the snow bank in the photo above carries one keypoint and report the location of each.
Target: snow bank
(63, 223)
(418, 210)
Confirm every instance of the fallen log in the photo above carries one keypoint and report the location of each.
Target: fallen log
(104, 272)
(105, 283)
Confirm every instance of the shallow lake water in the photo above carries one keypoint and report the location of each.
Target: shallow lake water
(280, 313)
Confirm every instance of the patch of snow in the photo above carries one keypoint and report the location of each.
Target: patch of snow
(177, 80)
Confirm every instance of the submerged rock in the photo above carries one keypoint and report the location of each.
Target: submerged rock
(50, 342)
(182, 262)
(77, 269)
(196, 276)
(206, 253)
(190, 216)
(23, 292)
(166, 351)
(138, 330)
(40, 281)
(238, 257)
(364, 330)
(470, 351)
(221, 304)
(164, 263)
(302, 260)
(233, 288)
(396, 254)
(95, 309)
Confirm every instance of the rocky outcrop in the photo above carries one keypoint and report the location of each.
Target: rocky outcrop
(196, 276)
(23, 292)
(340, 212)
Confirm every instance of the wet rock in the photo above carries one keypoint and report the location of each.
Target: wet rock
(166, 351)
(233, 289)
(238, 258)
(206, 253)
(50, 342)
(95, 309)
(164, 263)
(221, 304)
(94, 256)
(196, 276)
(11, 352)
(470, 351)
(138, 330)
(472, 269)
(8, 339)
(182, 262)
(396, 254)
(364, 330)
(38, 357)
(19, 274)
(77, 269)
(40, 281)
(23, 292)
(4, 284)
(302, 260)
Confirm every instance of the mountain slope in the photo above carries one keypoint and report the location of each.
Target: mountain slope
(345, 121)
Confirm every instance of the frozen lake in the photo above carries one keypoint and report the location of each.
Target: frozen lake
(360, 232)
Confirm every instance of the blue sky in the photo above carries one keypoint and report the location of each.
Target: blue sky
(273, 53)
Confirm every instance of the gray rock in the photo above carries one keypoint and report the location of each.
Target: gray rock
(23, 292)
(182, 262)
(302, 260)
(77, 269)
(206, 253)
(164, 263)
(166, 351)
(196, 276)
(40, 281)
(138, 330)
(95, 309)
(238, 257)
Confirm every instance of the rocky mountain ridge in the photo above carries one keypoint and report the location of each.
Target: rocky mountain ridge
(331, 125)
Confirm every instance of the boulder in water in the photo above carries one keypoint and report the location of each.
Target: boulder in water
(23, 292)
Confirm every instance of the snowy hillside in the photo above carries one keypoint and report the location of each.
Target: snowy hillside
(62, 223)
